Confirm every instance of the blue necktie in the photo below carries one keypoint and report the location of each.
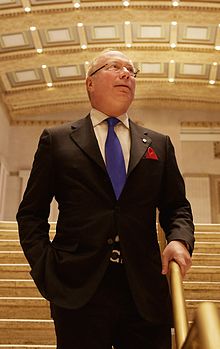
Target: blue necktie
(115, 163)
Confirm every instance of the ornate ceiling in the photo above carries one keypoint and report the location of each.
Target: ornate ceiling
(45, 47)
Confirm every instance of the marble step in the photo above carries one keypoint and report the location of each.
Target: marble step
(207, 236)
(10, 245)
(24, 308)
(9, 257)
(207, 228)
(202, 290)
(31, 346)
(27, 331)
(203, 273)
(11, 234)
(18, 288)
(203, 259)
(15, 271)
(207, 247)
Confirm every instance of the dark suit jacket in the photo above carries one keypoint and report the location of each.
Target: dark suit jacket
(68, 165)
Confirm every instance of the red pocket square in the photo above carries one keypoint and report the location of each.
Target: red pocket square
(151, 154)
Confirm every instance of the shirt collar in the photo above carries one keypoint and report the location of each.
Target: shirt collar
(98, 117)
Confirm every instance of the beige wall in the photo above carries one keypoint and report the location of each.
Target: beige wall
(194, 157)
(4, 132)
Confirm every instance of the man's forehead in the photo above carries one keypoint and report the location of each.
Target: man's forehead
(114, 55)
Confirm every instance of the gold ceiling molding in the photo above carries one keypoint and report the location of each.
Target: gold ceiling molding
(44, 123)
(189, 74)
(200, 124)
(109, 5)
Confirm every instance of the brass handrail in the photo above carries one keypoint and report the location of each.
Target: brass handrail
(205, 330)
(179, 305)
(177, 294)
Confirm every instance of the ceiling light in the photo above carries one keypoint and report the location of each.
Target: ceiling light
(171, 79)
(44, 66)
(126, 3)
(49, 84)
(79, 24)
(128, 45)
(172, 61)
(27, 9)
(39, 50)
(211, 82)
(217, 47)
(173, 45)
(215, 63)
(84, 47)
(33, 29)
(127, 22)
(174, 23)
(175, 3)
(76, 4)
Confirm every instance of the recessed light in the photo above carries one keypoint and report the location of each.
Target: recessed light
(27, 9)
(77, 5)
(126, 3)
(175, 3)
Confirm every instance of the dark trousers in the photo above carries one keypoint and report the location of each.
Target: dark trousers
(109, 319)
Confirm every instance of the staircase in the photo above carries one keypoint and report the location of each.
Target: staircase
(25, 316)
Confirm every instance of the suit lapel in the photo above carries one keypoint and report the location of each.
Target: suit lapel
(83, 135)
(140, 142)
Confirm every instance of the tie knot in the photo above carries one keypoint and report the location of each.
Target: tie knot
(112, 121)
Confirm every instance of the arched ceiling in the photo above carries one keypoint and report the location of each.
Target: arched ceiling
(45, 47)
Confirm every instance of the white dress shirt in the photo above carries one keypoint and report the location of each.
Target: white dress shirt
(121, 129)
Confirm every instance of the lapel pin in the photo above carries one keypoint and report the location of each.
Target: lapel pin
(144, 140)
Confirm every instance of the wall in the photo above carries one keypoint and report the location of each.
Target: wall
(4, 142)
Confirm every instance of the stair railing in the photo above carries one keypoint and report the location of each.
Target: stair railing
(205, 330)
(177, 295)
(179, 306)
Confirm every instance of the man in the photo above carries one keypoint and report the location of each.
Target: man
(102, 273)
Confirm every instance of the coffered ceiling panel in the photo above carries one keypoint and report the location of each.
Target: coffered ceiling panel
(46, 46)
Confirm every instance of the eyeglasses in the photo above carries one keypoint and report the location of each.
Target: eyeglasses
(117, 67)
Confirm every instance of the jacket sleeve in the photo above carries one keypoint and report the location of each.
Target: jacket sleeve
(175, 213)
(34, 209)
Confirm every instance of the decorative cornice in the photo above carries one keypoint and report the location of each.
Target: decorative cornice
(200, 124)
(61, 8)
(38, 122)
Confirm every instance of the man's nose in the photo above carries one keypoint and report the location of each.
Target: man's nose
(124, 73)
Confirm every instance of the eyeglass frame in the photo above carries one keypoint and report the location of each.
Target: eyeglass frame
(106, 64)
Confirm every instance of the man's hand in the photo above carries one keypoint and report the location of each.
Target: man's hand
(177, 251)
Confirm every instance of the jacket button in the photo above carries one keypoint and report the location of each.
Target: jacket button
(110, 241)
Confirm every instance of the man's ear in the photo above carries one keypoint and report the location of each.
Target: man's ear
(89, 84)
